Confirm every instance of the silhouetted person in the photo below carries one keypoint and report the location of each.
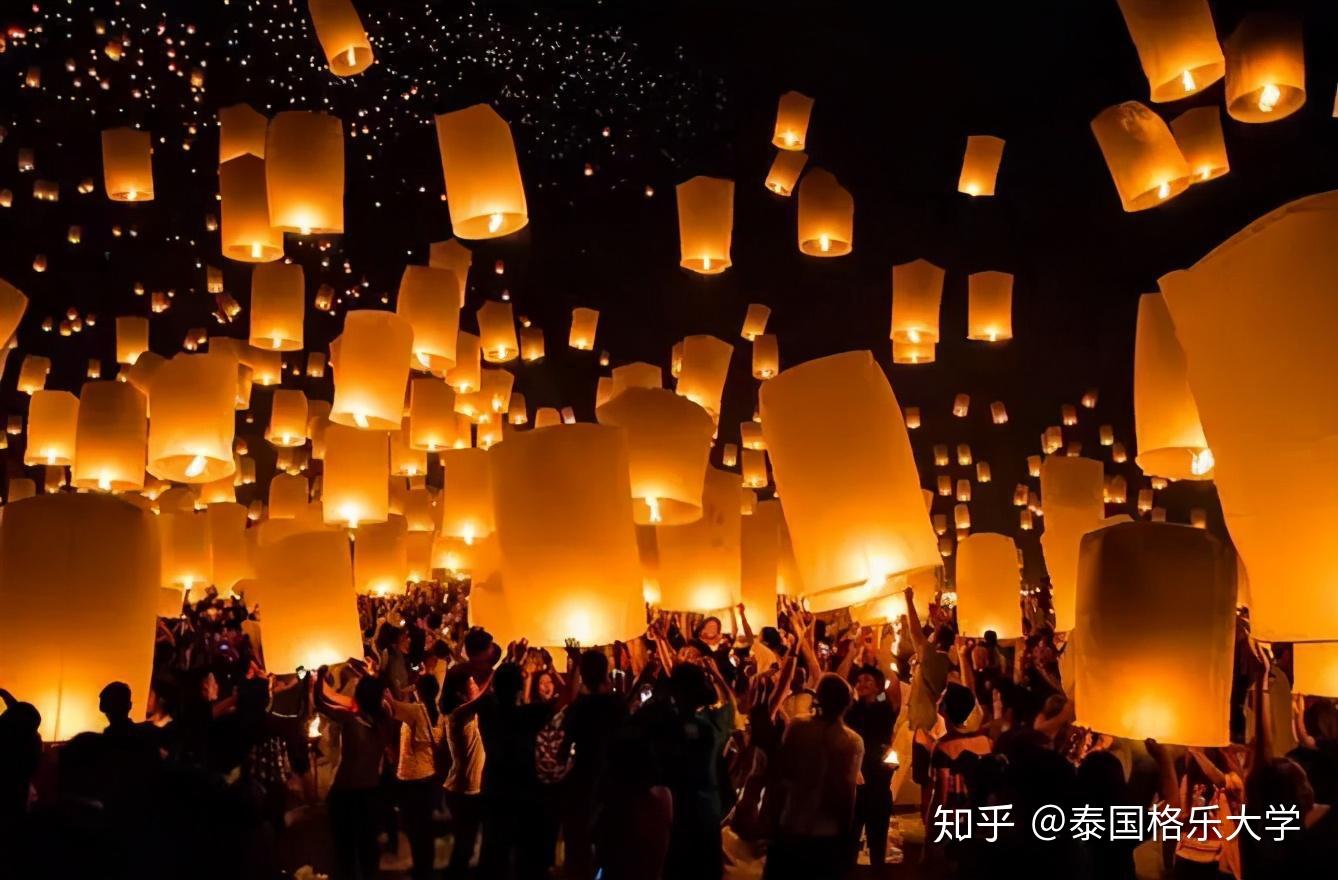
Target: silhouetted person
(20, 752)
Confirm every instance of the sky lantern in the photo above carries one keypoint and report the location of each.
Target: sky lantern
(372, 370)
(531, 344)
(792, 113)
(355, 489)
(705, 365)
(1175, 587)
(308, 607)
(431, 414)
(750, 435)
(110, 438)
(766, 357)
(344, 42)
(287, 418)
(405, 461)
(288, 495)
(1315, 668)
(127, 166)
(980, 165)
(917, 289)
(1141, 153)
(192, 400)
(755, 321)
(1072, 492)
(451, 254)
(705, 224)
(1267, 416)
(583, 324)
(140, 374)
(466, 502)
(516, 413)
(1177, 45)
(380, 558)
(826, 215)
(636, 375)
(427, 300)
(1198, 133)
(988, 586)
(785, 171)
(668, 449)
(759, 563)
(1265, 68)
(266, 365)
(564, 528)
(1170, 437)
(79, 580)
(699, 562)
(497, 332)
(754, 469)
(188, 562)
(53, 417)
(961, 405)
(246, 235)
(241, 132)
(855, 513)
(466, 376)
(132, 338)
(278, 306)
(304, 172)
(12, 306)
(998, 413)
(990, 306)
(478, 161)
(230, 549)
(914, 352)
(32, 373)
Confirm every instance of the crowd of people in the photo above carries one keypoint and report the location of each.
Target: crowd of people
(698, 750)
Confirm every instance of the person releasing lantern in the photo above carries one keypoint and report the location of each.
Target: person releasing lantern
(483, 185)
(1177, 45)
(826, 216)
(127, 169)
(1171, 443)
(304, 172)
(347, 50)
(705, 224)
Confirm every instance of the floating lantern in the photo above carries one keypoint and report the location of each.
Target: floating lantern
(729, 455)
(940, 455)
(988, 587)
(961, 405)
(961, 517)
(785, 171)
(983, 472)
(990, 306)
(1116, 491)
(1052, 439)
(497, 332)
(266, 365)
(766, 357)
(278, 305)
(700, 563)
(1176, 588)
(583, 324)
(705, 224)
(191, 403)
(432, 425)
(1265, 68)
(1068, 414)
(373, 369)
(755, 321)
(339, 30)
(547, 417)
(759, 558)
(1170, 437)
(467, 374)
(531, 344)
(53, 417)
(357, 473)
(466, 503)
(404, 460)
(980, 165)
(635, 375)
(1177, 45)
(427, 301)
(132, 338)
(287, 419)
(241, 132)
(1106, 433)
(187, 557)
(998, 413)
(705, 364)
(451, 254)
(12, 306)
(963, 492)
(917, 288)
(127, 169)
(111, 438)
(1144, 500)
(913, 353)
(1117, 453)
(750, 435)
(288, 496)
(792, 115)
(315, 365)
(668, 445)
(963, 454)
(380, 558)
(826, 216)
(309, 610)
(1021, 495)
(304, 172)
(1142, 155)
(755, 469)
(478, 161)
(1072, 491)
(944, 485)
(1198, 133)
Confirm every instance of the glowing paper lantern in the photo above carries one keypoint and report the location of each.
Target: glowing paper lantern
(1072, 492)
(304, 172)
(1176, 588)
(86, 567)
(1265, 68)
(917, 289)
(546, 417)
(287, 419)
(287, 496)
(856, 518)
(1170, 437)
(988, 586)
(355, 489)
(792, 115)
(127, 169)
(531, 344)
(635, 375)
(755, 321)
(705, 224)
(404, 460)
(380, 558)
(372, 370)
(132, 338)
(32, 374)
(241, 132)
(564, 528)
(187, 556)
(451, 254)
(278, 305)
(230, 550)
(826, 215)
(1177, 45)
(1143, 158)
(990, 306)
(12, 306)
(1315, 668)
(785, 171)
(705, 364)
(192, 404)
(467, 374)
(1198, 133)
(427, 300)
(759, 563)
(980, 165)
(110, 439)
(53, 417)
(466, 502)
(583, 324)
(432, 424)
(699, 563)
(347, 49)
(497, 332)
(483, 186)
(766, 357)
(246, 235)
(755, 469)
(669, 445)
(308, 607)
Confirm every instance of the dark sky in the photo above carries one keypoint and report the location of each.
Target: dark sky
(684, 88)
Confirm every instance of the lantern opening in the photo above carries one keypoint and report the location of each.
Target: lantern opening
(1269, 96)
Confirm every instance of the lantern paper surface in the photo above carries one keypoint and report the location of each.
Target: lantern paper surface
(111, 437)
(1170, 437)
(1072, 495)
(53, 419)
(241, 132)
(792, 114)
(699, 562)
(427, 301)
(372, 370)
(308, 607)
(497, 332)
(1265, 68)
(1315, 667)
(380, 558)
(785, 171)
(705, 224)
(1198, 133)
(304, 172)
(466, 502)
(759, 547)
(1177, 45)
(917, 289)
(980, 165)
(1141, 153)
(704, 368)
(668, 446)
(483, 185)
(990, 306)
(826, 215)
(278, 306)
(355, 489)
(246, 235)
(12, 306)
(988, 586)
(127, 167)
(192, 405)
(347, 50)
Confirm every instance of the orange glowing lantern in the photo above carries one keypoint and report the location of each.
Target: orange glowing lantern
(1170, 437)
(497, 332)
(792, 114)
(309, 610)
(704, 366)
(132, 338)
(427, 301)
(917, 289)
(755, 321)
(192, 400)
(380, 558)
(705, 224)
(246, 235)
(483, 185)
(826, 215)
(287, 419)
(980, 165)
(766, 357)
(1198, 133)
(990, 306)
(357, 472)
(466, 502)
(699, 563)
(127, 169)
(785, 171)
(1177, 45)
(451, 254)
(1072, 490)
(304, 172)
(278, 293)
(988, 586)
(669, 444)
(110, 439)
(372, 370)
(583, 324)
(1265, 68)
(1143, 158)
(339, 30)
(241, 132)
(53, 418)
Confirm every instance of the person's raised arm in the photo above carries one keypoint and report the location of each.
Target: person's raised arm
(1167, 781)
(469, 708)
(917, 629)
(967, 664)
(853, 647)
(724, 694)
(783, 684)
(1298, 722)
(747, 627)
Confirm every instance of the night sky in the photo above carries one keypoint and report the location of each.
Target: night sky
(648, 95)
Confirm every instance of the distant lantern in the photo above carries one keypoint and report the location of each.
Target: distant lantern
(432, 425)
(1106, 435)
(912, 417)
(705, 364)
(1117, 453)
(246, 234)
(241, 132)
(497, 332)
(427, 301)
(729, 455)
(1265, 68)
(583, 324)
(547, 417)
(12, 306)
(963, 454)
(961, 517)
(127, 169)
(754, 469)
(766, 357)
(998, 413)
(483, 185)
(309, 610)
(32, 373)
(1068, 414)
(564, 526)
(669, 445)
(755, 321)
(81, 564)
(288, 418)
(1145, 497)
(785, 171)
(1175, 587)
(1171, 443)
(266, 365)
(278, 306)
(451, 254)
(1117, 490)
(940, 451)
(1143, 158)
(192, 400)
(705, 224)
(944, 485)
(1177, 45)
(1052, 439)
(132, 338)
(988, 586)
(380, 558)
(53, 417)
(342, 38)
(1199, 135)
(917, 289)
(288, 496)
(466, 503)
(1021, 495)
(531, 344)
(792, 114)
(857, 519)
(980, 165)
(405, 461)
(983, 474)
(826, 215)
(372, 370)
(699, 562)
(963, 492)
(1072, 493)
(355, 488)
(466, 376)
(961, 404)
(304, 172)
(315, 365)
(990, 306)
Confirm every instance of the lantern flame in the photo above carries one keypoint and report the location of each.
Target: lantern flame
(1205, 171)
(196, 466)
(1164, 190)
(495, 222)
(706, 264)
(360, 419)
(1269, 96)
(824, 243)
(351, 56)
(256, 250)
(1187, 80)
(1202, 462)
(468, 535)
(654, 505)
(790, 139)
